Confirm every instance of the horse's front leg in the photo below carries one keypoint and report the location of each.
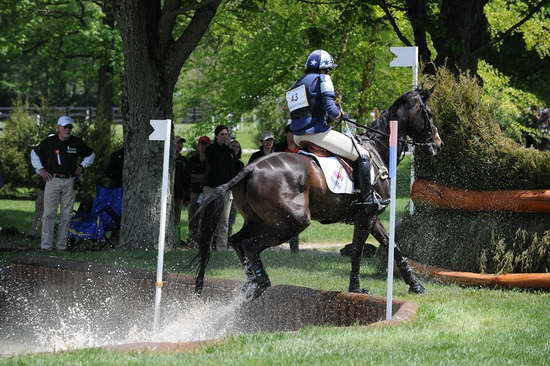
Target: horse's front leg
(405, 270)
(361, 231)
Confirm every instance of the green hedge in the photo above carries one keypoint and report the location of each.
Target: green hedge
(477, 155)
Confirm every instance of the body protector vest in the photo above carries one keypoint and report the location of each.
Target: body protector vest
(311, 104)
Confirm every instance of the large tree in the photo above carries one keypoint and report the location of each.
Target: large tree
(157, 38)
(459, 30)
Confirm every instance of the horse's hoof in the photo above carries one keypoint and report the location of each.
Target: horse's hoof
(255, 288)
(417, 289)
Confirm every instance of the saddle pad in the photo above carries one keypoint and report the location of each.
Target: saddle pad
(338, 179)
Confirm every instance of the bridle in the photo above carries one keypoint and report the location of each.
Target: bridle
(385, 117)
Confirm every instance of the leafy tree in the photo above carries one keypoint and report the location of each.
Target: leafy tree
(48, 48)
(157, 39)
(254, 56)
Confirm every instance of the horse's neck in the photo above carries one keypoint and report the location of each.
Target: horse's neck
(381, 144)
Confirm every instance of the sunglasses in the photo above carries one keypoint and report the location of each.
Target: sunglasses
(70, 127)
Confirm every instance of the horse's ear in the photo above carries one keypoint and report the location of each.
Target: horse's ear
(425, 94)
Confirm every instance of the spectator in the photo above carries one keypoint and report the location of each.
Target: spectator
(179, 183)
(115, 167)
(288, 145)
(195, 179)
(265, 149)
(55, 160)
(237, 153)
(219, 170)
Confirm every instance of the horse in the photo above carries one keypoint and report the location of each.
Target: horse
(279, 195)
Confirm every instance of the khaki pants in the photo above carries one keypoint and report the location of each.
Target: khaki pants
(38, 212)
(335, 142)
(59, 192)
(221, 233)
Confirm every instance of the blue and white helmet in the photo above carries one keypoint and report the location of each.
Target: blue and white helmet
(320, 60)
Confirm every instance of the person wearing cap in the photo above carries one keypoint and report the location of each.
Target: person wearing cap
(220, 168)
(195, 179)
(55, 159)
(180, 191)
(266, 148)
(312, 106)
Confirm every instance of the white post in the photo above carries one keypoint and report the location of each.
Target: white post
(393, 204)
(162, 132)
(408, 56)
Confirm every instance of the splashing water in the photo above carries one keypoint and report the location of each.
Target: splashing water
(46, 321)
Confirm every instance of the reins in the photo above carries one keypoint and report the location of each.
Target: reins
(382, 133)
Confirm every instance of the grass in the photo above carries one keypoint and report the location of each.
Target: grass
(458, 326)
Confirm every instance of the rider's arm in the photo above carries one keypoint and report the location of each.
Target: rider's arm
(327, 96)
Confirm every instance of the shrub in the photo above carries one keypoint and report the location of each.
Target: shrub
(477, 154)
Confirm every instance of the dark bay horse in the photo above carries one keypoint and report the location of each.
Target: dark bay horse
(280, 194)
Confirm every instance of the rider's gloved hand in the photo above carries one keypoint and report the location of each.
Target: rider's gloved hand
(344, 115)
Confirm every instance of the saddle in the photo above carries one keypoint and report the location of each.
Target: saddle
(322, 152)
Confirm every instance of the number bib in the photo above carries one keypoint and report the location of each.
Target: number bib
(297, 98)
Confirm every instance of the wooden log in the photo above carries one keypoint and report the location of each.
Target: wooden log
(435, 194)
(523, 280)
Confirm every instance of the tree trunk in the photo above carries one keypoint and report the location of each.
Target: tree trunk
(146, 99)
(459, 31)
(465, 29)
(152, 62)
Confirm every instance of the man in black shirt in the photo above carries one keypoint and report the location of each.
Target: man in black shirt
(219, 170)
(56, 161)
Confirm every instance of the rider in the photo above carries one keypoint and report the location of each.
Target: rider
(312, 106)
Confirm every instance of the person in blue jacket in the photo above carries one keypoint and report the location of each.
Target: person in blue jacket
(312, 106)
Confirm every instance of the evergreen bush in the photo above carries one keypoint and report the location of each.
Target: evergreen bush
(477, 155)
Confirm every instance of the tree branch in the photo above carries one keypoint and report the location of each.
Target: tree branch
(170, 12)
(181, 49)
(393, 23)
(508, 32)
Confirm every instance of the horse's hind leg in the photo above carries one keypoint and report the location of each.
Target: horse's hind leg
(405, 270)
(235, 242)
(360, 234)
(261, 280)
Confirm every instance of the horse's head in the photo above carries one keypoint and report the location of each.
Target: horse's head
(412, 108)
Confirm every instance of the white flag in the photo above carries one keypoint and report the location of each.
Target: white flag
(161, 127)
(406, 56)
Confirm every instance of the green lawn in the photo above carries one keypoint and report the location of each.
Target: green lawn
(454, 326)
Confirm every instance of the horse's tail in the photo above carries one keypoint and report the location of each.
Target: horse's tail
(205, 221)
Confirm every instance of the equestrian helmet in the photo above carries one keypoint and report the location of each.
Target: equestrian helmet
(319, 60)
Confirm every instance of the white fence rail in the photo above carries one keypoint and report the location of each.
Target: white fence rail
(77, 113)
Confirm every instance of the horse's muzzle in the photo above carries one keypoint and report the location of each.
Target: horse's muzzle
(434, 147)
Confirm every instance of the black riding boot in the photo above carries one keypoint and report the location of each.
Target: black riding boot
(366, 198)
